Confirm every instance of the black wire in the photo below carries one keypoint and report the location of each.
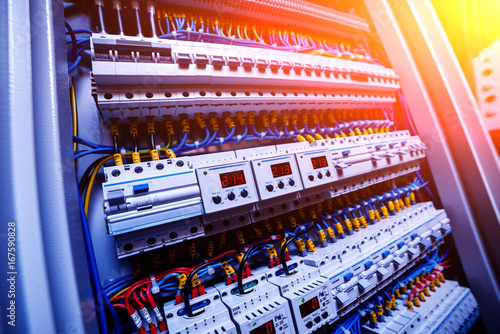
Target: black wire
(152, 141)
(73, 41)
(288, 242)
(134, 138)
(84, 179)
(187, 287)
(115, 143)
(247, 255)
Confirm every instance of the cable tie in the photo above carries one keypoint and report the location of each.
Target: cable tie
(232, 40)
(210, 271)
(297, 48)
(281, 133)
(154, 287)
(199, 35)
(221, 140)
(196, 144)
(302, 228)
(273, 237)
(123, 151)
(174, 33)
(238, 138)
(262, 135)
(274, 46)
(205, 260)
(158, 147)
(188, 29)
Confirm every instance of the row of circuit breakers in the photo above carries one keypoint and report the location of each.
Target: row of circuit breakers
(235, 188)
(327, 284)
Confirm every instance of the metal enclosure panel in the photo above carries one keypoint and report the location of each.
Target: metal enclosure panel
(460, 154)
(53, 290)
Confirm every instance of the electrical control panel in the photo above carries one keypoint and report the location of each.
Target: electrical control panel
(308, 294)
(269, 137)
(261, 309)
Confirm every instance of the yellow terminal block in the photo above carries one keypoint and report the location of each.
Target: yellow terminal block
(385, 213)
(416, 302)
(362, 221)
(201, 121)
(185, 125)
(397, 294)
(380, 310)
(229, 121)
(272, 252)
(310, 139)
(402, 204)
(241, 119)
(268, 226)
(421, 296)
(227, 268)
(222, 239)
(192, 249)
(321, 235)
(388, 305)
(279, 223)
(265, 121)
(300, 244)
(410, 284)
(397, 206)
(115, 131)
(214, 123)
(355, 224)
(310, 245)
(393, 303)
(313, 214)
(292, 221)
(136, 158)
(118, 159)
(407, 202)
(239, 235)
(171, 255)
(370, 130)
(441, 277)
(348, 225)
(339, 228)
(409, 305)
(170, 154)
(239, 257)
(154, 155)
(302, 214)
(377, 215)
(417, 279)
(403, 289)
(330, 233)
(315, 118)
(133, 126)
(357, 132)
(282, 243)
(305, 118)
(258, 232)
(426, 291)
(210, 248)
(412, 198)
(373, 316)
(391, 206)
(371, 214)
(438, 283)
(318, 137)
(286, 117)
(182, 281)
(169, 125)
(300, 138)
(195, 281)
(151, 124)
(295, 118)
(274, 116)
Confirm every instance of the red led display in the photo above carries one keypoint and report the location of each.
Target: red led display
(232, 179)
(281, 169)
(319, 162)
(309, 307)
(267, 328)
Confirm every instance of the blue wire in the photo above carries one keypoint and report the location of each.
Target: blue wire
(94, 273)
